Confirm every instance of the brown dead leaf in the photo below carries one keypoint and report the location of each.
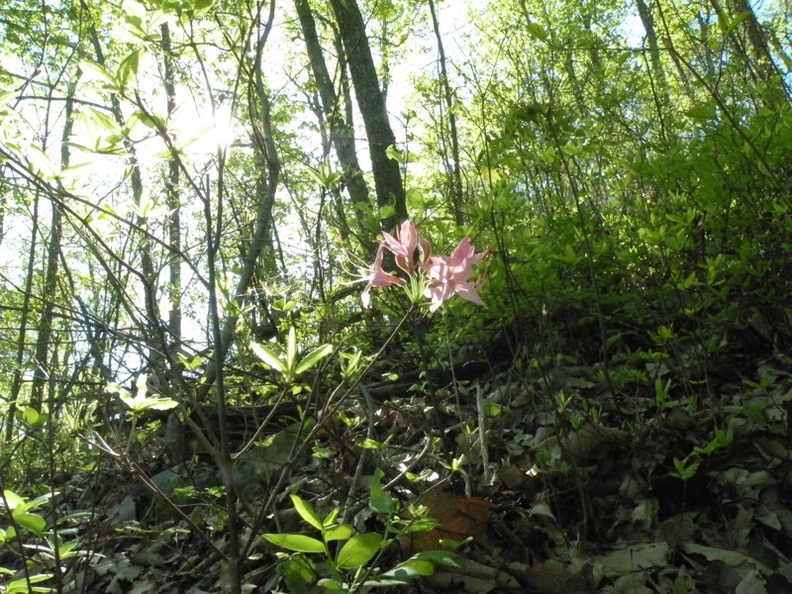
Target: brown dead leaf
(459, 518)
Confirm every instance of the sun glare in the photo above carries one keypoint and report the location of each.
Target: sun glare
(202, 131)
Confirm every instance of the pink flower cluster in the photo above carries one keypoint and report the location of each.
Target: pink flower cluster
(445, 275)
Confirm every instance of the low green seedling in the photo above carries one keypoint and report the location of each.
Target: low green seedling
(352, 566)
(22, 519)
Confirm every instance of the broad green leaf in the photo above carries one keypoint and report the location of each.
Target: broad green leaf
(96, 71)
(330, 519)
(149, 120)
(359, 550)
(31, 416)
(21, 586)
(200, 7)
(571, 149)
(339, 532)
(331, 585)
(410, 570)
(268, 356)
(296, 542)
(128, 69)
(743, 16)
(298, 573)
(351, 362)
(393, 153)
(493, 409)
(284, 305)
(307, 512)
(702, 112)
(6, 97)
(446, 558)
(313, 358)
(161, 403)
(537, 31)
(291, 350)
(32, 522)
(380, 500)
(40, 162)
(12, 500)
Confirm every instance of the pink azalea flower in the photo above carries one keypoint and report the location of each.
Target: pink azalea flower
(403, 247)
(378, 278)
(450, 275)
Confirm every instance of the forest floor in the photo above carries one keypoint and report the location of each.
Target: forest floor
(587, 480)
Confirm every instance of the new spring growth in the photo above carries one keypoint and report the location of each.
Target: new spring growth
(437, 278)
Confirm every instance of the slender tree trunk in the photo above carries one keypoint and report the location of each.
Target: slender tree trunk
(659, 80)
(153, 336)
(371, 103)
(341, 133)
(174, 205)
(761, 58)
(453, 168)
(42, 372)
(25, 315)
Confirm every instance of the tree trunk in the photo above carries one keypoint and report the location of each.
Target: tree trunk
(341, 133)
(453, 168)
(371, 102)
(173, 203)
(660, 83)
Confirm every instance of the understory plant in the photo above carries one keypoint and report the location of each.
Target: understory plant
(340, 560)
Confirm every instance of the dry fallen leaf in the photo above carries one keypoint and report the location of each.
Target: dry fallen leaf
(459, 517)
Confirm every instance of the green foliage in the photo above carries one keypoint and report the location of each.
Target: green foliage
(22, 526)
(353, 565)
(287, 364)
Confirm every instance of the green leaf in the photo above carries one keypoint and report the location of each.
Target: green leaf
(268, 356)
(12, 500)
(31, 416)
(330, 519)
(291, 350)
(359, 550)
(307, 512)
(702, 112)
(393, 153)
(32, 522)
(446, 558)
(298, 573)
(96, 71)
(339, 532)
(128, 69)
(410, 570)
(743, 16)
(536, 31)
(6, 97)
(153, 121)
(296, 542)
(313, 358)
(571, 149)
(21, 586)
(380, 500)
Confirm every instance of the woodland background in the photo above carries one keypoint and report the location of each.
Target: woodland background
(189, 188)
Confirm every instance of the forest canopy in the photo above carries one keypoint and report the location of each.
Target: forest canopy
(369, 259)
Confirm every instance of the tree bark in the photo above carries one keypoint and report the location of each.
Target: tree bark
(453, 167)
(371, 102)
(174, 204)
(341, 133)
